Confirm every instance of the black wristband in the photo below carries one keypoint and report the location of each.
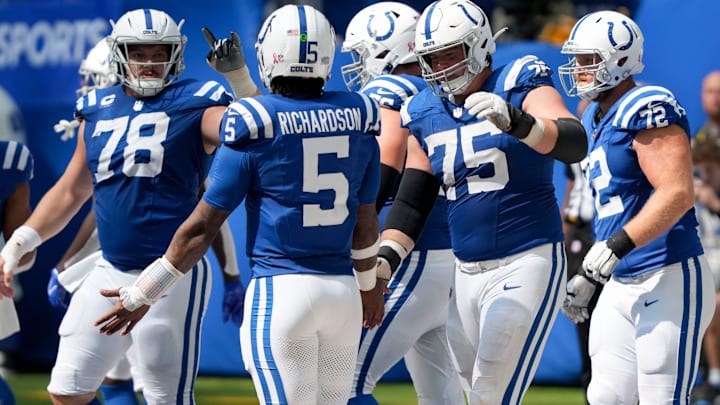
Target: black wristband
(620, 243)
(392, 257)
(520, 122)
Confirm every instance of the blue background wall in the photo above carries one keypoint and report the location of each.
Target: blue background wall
(42, 43)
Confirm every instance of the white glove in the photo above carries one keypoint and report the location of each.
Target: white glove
(66, 128)
(491, 107)
(579, 292)
(506, 117)
(599, 262)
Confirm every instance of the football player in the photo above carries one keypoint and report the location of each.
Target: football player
(647, 328)
(381, 38)
(144, 149)
(489, 136)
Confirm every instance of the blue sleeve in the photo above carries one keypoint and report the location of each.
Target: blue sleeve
(230, 178)
(521, 76)
(245, 121)
(371, 181)
(649, 107)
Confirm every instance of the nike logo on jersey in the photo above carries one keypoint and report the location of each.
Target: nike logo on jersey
(648, 303)
(510, 287)
(384, 92)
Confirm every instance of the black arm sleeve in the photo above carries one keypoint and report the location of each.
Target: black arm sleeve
(572, 144)
(413, 203)
(389, 181)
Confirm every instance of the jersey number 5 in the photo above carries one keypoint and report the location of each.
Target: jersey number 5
(158, 121)
(314, 181)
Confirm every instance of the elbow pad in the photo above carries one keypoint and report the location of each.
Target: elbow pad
(389, 180)
(413, 203)
(572, 143)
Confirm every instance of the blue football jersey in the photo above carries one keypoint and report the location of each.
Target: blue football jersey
(147, 161)
(620, 188)
(500, 193)
(391, 91)
(17, 168)
(305, 167)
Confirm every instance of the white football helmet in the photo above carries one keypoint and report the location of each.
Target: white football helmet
(448, 23)
(618, 43)
(146, 27)
(95, 71)
(295, 41)
(379, 38)
(12, 126)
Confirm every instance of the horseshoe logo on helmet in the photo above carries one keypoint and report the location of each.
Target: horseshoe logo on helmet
(629, 43)
(386, 35)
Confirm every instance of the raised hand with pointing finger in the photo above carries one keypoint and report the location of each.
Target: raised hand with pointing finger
(227, 58)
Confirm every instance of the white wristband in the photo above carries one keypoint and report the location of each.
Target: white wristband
(241, 83)
(367, 252)
(25, 239)
(366, 279)
(151, 284)
(536, 134)
(397, 247)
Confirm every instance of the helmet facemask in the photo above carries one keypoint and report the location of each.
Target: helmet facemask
(354, 74)
(601, 77)
(444, 25)
(146, 27)
(456, 78)
(617, 44)
(143, 86)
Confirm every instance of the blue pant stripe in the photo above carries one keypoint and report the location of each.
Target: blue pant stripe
(390, 315)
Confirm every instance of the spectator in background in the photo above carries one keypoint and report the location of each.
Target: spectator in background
(706, 158)
(710, 98)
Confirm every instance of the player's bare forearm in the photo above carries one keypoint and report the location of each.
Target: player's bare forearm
(194, 236)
